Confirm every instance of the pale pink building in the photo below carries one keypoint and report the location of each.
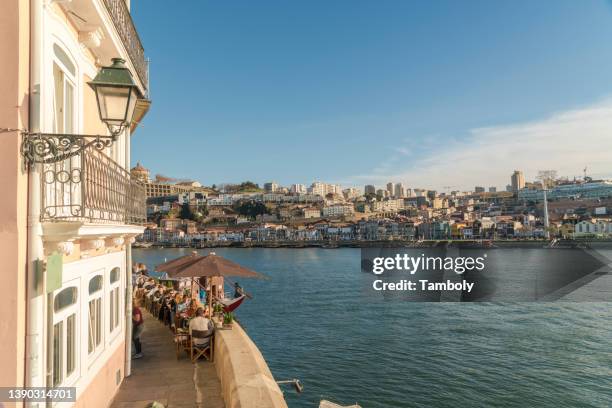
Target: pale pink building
(66, 222)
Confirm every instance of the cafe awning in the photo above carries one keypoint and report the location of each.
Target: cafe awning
(195, 266)
(177, 262)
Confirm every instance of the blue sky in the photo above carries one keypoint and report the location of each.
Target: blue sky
(360, 92)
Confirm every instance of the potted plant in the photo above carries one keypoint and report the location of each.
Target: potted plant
(218, 310)
(228, 319)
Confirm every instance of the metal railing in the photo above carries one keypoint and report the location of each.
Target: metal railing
(122, 20)
(91, 187)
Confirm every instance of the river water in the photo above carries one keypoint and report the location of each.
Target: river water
(314, 321)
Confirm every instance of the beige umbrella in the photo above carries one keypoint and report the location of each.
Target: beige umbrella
(211, 265)
(166, 266)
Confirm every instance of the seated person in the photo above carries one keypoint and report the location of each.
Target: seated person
(183, 303)
(192, 309)
(200, 323)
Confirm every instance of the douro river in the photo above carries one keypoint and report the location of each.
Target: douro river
(313, 320)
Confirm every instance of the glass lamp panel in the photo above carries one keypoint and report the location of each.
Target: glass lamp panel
(131, 106)
(113, 103)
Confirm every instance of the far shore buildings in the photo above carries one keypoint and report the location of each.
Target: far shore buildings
(165, 188)
(578, 209)
(70, 208)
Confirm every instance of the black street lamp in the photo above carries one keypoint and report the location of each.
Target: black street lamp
(116, 94)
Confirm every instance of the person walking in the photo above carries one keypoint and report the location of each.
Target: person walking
(137, 327)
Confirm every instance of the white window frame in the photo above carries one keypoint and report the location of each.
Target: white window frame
(61, 317)
(68, 79)
(114, 303)
(98, 303)
(64, 194)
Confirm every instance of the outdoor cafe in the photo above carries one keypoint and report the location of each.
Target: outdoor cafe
(190, 287)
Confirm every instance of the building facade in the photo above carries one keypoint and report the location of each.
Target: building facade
(74, 208)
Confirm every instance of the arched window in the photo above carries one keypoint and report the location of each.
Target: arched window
(95, 284)
(65, 298)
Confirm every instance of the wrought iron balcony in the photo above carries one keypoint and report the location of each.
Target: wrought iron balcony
(122, 20)
(89, 186)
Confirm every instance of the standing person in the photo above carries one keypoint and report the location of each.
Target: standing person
(237, 290)
(137, 327)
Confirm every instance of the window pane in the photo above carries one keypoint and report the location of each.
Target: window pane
(114, 275)
(58, 99)
(63, 57)
(90, 345)
(95, 284)
(112, 309)
(57, 353)
(113, 103)
(116, 306)
(65, 298)
(98, 321)
(71, 344)
(69, 108)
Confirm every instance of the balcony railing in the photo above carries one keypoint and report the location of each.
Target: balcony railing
(91, 187)
(122, 20)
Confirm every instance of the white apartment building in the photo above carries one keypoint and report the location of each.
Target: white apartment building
(351, 193)
(390, 205)
(222, 200)
(337, 210)
(298, 189)
(390, 189)
(311, 212)
(271, 187)
(322, 189)
(399, 190)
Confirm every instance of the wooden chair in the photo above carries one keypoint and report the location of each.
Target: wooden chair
(182, 340)
(199, 350)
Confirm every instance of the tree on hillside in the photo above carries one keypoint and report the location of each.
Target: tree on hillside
(244, 187)
(186, 213)
(249, 185)
(250, 208)
(370, 196)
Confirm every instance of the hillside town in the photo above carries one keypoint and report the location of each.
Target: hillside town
(186, 213)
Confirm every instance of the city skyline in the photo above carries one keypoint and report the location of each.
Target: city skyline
(271, 185)
(426, 91)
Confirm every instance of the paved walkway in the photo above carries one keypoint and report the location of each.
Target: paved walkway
(159, 376)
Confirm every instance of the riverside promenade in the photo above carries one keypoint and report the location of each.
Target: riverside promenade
(159, 376)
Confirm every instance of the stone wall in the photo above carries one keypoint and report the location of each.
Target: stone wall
(245, 377)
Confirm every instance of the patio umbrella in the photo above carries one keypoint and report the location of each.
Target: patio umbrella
(177, 262)
(211, 265)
